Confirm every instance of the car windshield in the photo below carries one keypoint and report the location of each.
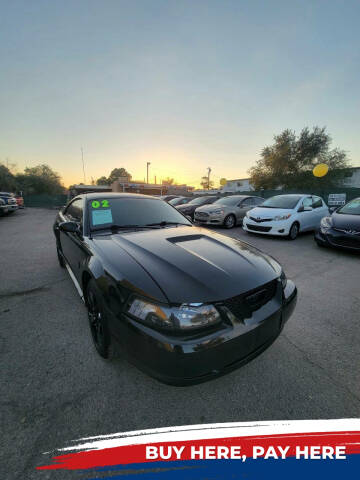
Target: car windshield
(125, 212)
(177, 201)
(199, 200)
(282, 201)
(234, 200)
(351, 208)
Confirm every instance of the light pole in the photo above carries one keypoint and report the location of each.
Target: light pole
(147, 171)
(82, 158)
(209, 170)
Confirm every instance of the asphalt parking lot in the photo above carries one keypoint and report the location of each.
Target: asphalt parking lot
(55, 388)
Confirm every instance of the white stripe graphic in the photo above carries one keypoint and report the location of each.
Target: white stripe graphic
(215, 430)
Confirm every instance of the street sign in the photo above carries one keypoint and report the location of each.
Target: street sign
(336, 199)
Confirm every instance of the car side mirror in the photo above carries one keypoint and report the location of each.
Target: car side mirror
(189, 218)
(300, 209)
(333, 209)
(69, 227)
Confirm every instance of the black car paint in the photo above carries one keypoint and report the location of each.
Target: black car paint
(344, 232)
(189, 210)
(176, 265)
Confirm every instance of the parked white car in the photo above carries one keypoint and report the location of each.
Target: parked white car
(286, 215)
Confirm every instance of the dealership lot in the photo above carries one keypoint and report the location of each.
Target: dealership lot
(58, 389)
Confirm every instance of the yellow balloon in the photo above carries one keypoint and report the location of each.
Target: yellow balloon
(223, 181)
(320, 170)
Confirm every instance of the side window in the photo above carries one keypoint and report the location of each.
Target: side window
(246, 203)
(258, 201)
(75, 210)
(317, 202)
(307, 202)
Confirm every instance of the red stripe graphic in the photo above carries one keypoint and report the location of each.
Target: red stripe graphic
(129, 454)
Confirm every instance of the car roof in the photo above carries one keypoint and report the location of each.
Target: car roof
(96, 195)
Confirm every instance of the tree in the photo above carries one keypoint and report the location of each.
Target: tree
(116, 173)
(206, 184)
(102, 181)
(290, 160)
(7, 180)
(168, 181)
(39, 179)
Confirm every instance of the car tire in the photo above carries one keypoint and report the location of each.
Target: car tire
(60, 258)
(98, 324)
(320, 244)
(294, 231)
(230, 221)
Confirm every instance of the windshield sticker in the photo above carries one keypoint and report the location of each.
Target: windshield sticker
(101, 217)
(100, 203)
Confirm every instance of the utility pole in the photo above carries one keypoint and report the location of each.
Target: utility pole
(155, 179)
(209, 170)
(147, 171)
(82, 158)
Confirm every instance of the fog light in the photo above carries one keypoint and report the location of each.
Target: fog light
(281, 231)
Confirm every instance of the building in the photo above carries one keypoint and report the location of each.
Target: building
(353, 180)
(212, 191)
(136, 186)
(237, 185)
(81, 188)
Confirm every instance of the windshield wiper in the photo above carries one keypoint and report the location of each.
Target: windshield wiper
(114, 228)
(164, 223)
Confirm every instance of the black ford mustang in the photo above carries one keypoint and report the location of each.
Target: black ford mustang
(342, 228)
(183, 303)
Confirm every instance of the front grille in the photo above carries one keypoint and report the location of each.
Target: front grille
(242, 306)
(201, 214)
(258, 228)
(348, 231)
(259, 220)
(350, 242)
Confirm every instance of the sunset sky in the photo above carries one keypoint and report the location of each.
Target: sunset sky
(182, 84)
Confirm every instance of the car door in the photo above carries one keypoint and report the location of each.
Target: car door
(71, 243)
(243, 207)
(307, 217)
(320, 210)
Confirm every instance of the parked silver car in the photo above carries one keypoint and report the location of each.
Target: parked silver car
(227, 211)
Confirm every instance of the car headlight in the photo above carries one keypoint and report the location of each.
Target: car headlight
(282, 217)
(187, 317)
(326, 223)
(283, 279)
(218, 211)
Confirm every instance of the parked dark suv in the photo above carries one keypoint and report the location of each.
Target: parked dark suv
(8, 203)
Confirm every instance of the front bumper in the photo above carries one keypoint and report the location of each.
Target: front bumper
(4, 209)
(209, 219)
(281, 228)
(183, 361)
(333, 238)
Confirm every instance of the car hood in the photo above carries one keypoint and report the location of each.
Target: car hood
(264, 212)
(211, 207)
(191, 264)
(186, 207)
(346, 222)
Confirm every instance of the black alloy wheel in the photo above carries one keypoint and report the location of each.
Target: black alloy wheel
(98, 323)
